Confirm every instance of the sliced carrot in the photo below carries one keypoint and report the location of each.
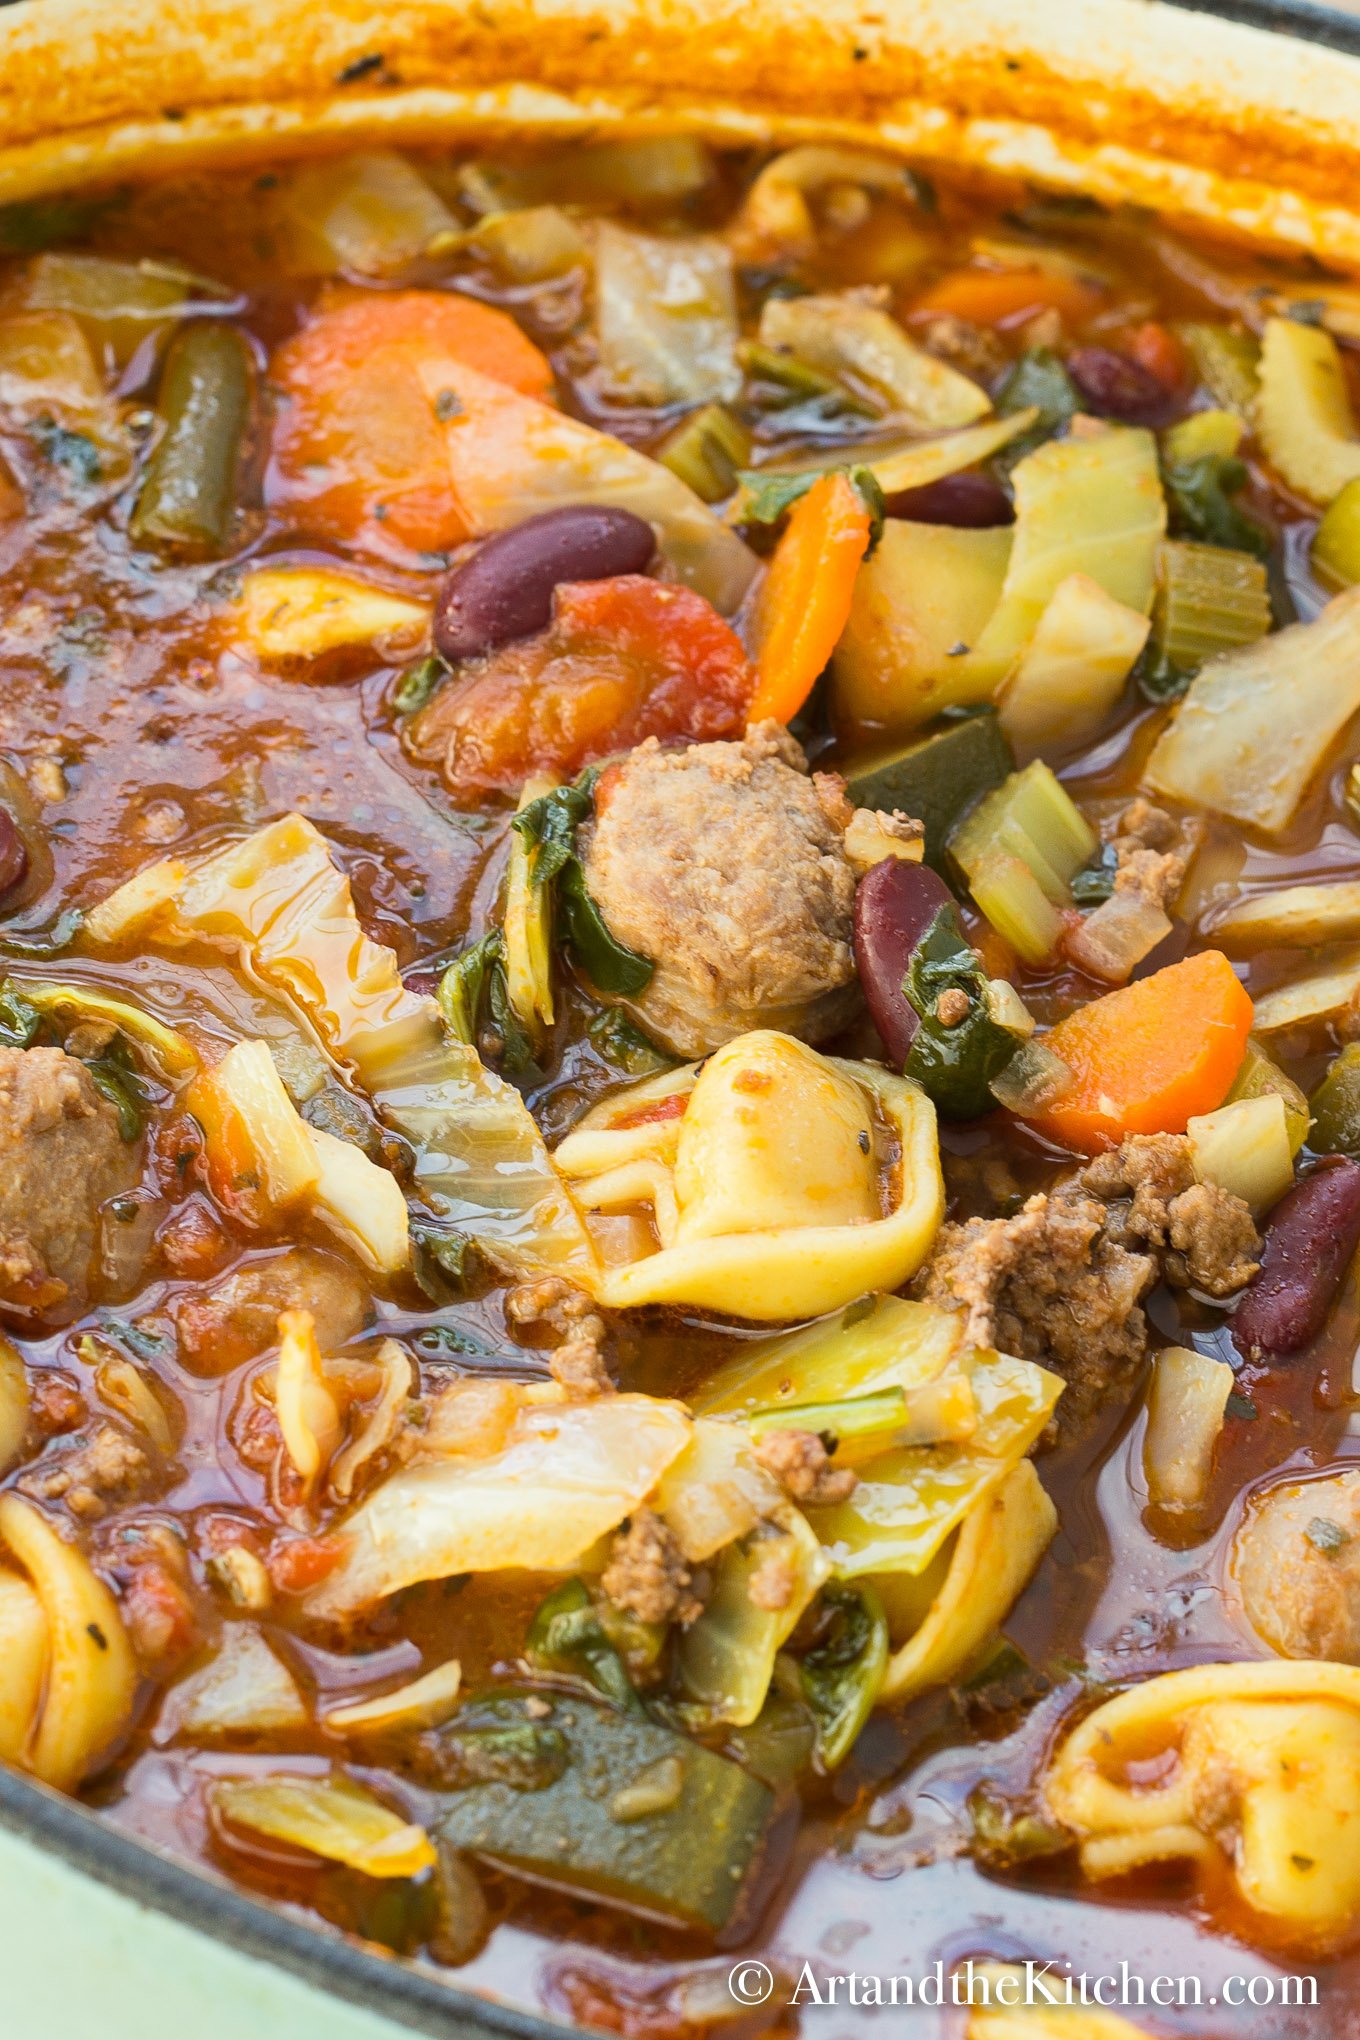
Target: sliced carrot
(1149, 1057)
(805, 602)
(359, 450)
(1008, 297)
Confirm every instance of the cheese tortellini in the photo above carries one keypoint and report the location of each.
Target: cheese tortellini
(67, 1673)
(779, 1183)
(1266, 1780)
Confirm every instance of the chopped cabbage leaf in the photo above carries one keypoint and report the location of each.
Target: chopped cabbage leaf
(565, 1477)
(907, 1503)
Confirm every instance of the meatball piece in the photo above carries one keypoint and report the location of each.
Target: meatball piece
(1297, 1560)
(725, 865)
(239, 1317)
(60, 1157)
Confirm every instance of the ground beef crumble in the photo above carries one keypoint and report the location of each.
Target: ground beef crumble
(577, 1363)
(801, 1464)
(647, 1575)
(1152, 852)
(1063, 1280)
(98, 1470)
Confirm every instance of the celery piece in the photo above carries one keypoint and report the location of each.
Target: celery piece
(1260, 1075)
(938, 778)
(1019, 851)
(706, 450)
(1032, 816)
(1335, 1106)
(1010, 896)
(685, 1863)
(1227, 360)
(1209, 599)
(1336, 543)
(1213, 432)
(867, 1420)
(189, 494)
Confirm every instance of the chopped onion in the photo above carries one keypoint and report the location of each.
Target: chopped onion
(308, 1413)
(1032, 1081)
(1117, 935)
(423, 1704)
(369, 214)
(328, 1817)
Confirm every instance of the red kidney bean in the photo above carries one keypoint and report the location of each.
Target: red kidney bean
(895, 904)
(970, 502)
(1310, 1241)
(505, 589)
(1115, 386)
(13, 854)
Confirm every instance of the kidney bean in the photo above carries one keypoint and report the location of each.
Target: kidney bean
(1114, 386)
(970, 502)
(1312, 1236)
(505, 589)
(13, 854)
(895, 904)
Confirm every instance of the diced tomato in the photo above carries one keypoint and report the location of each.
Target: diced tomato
(655, 1114)
(296, 1564)
(358, 451)
(621, 660)
(1156, 348)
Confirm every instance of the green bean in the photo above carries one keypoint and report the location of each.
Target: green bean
(189, 494)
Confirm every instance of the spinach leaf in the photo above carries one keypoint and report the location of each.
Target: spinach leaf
(418, 684)
(19, 1022)
(767, 498)
(1096, 882)
(567, 1635)
(842, 1674)
(1039, 380)
(463, 985)
(1199, 496)
(953, 1065)
(114, 1081)
(626, 1046)
(548, 826)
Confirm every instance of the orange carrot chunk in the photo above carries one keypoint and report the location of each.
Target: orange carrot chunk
(1148, 1058)
(805, 602)
(359, 448)
(1008, 297)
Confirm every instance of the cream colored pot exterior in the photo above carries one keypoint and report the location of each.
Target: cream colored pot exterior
(1246, 132)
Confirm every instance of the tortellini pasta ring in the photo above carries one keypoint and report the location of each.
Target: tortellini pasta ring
(783, 1205)
(91, 1674)
(1268, 1776)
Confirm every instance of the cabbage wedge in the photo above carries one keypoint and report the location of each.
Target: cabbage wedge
(279, 905)
(1257, 724)
(565, 1477)
(908, 1502)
